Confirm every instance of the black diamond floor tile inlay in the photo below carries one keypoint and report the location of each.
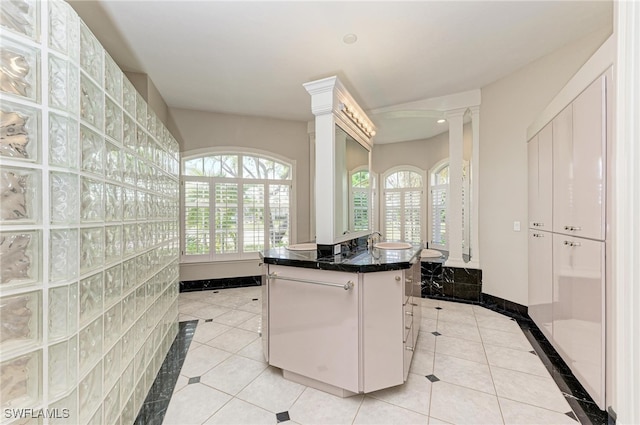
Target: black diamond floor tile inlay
(572, 416)
(432, 378)
(194, 380)
(282, 417)
(208, 320)
(436, 333)
(438, 308)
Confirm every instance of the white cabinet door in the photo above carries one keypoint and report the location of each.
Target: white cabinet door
(383, 319)
(589, 159)
(579, 159)
(541, 280)
(314, 328)
(578, 309)
(562, 169)
(540, 153)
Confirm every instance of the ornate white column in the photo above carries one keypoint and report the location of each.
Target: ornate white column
(475, 187)
(454, 207)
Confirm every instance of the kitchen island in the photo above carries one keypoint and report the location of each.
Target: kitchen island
(344, 324)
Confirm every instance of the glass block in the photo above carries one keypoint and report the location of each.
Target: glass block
(140, 363)
(19, 131)
(91, 248)
(151, 122)
(112, 285)
(129, 94)
(91, 297)
(90, 393)
(20, 195)
(128, 310)
(128, 415)
(91, 54)
(68, 407)
(63, 141)
(20, 317)
(90, 340)
(113, 243)
(112, 404)
(92, 200)
(20, 377)
(113, 163)
(128, 275)
(19, 69)
(141, 110)
(91, 103)
(139, 394)
(64, 193)
(113, 120)
(128, 204)
(59, 21)
(128, 133)
(19, 258)
(113, 202)
(63, 361)
(20, 16)
(64, 255)
(63, 84)
(129, 168)
(112, 324)
(129, 239)
(112, 79)
(92, 151)
(141, 268)
(126, 381)
(141, 298)
(63, 305)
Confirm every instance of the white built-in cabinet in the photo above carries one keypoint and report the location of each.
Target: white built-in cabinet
(358, 339)
(567, 228)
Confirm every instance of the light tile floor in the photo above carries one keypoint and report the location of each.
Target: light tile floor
(481, 369)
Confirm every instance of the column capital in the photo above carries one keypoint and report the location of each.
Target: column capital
(475, 110)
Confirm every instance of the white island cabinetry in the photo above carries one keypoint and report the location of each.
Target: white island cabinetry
(342, 332)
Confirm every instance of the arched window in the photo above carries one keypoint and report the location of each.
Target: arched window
(403, 205)
(234, 205)
(359, 199)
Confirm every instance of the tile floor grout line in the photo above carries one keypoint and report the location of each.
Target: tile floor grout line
(493, 382)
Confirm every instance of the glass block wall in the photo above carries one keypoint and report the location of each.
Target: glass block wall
(88, 225)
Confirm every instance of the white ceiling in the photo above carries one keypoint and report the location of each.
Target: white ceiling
(251, 58)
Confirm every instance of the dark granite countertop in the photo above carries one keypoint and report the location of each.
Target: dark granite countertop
(361, 260)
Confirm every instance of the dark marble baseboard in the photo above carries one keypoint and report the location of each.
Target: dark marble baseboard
(451, 283)
(155, 404)
(227, 282)
(580, 401)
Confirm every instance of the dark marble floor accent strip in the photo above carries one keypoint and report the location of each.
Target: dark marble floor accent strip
(227, 282)
(155, 405)
(580, 401)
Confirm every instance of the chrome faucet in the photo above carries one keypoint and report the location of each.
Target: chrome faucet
(374, 238)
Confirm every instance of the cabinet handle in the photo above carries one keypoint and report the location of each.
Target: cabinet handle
(409, 313)
(407, 327)
(408, 348)
(414, 304)
(538, 235)
(538, 224)
(409, 280)
(572, 228)
(569, 243)
(397, 278)
(346, 286)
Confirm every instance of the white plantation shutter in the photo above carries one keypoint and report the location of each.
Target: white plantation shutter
(403, 206)
(226, 218)
(253, 217)
(279, 214)
(439, 216)
(196, 215)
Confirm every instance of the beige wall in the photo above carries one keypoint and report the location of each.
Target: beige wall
(201, 130)
(508, 107)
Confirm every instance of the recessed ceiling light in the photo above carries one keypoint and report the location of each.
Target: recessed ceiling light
(350, 38)
(441, 120)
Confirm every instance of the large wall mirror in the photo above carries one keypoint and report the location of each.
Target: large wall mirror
(352, 189)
